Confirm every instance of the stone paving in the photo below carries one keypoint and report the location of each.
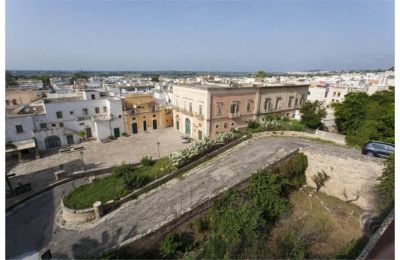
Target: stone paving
(96, 154)
(32, 226)
(40, 172)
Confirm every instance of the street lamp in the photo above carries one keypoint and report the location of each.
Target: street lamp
(81, 153)
(158, 148)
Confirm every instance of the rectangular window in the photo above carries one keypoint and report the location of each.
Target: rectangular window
(14, 101)
(200, 110)
(190, 106)
(85, 111)
(248, 106)
(97, 110)
(105, 109)
(71, 112)
(43, 125)
(184, 105)
(218, 110)
(234, 108)
(7, 102)
(61, 124)
(19, 128)
(338, 94)
(93, 97)
(290, 101)
(296, 101)
(59, 114)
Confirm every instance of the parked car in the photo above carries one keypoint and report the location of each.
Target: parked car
(378, 149)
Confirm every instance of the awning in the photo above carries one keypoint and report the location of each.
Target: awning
(21, 145)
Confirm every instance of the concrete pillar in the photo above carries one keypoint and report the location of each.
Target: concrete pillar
(98, 209)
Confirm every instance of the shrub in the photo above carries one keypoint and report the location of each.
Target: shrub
(134, 181)
(201, 225)
(147, 161)
(193, 152)
(252, 124)
(170, 245)
(319, 179)
(386, 182)
(176, 243)
(122, 170)
(294, 170)
(227, 137)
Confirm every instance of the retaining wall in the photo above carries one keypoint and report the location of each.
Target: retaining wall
(351, 174)
(336, 138)
(141, 243)
(85, 215)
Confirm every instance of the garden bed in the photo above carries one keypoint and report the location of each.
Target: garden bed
(127, 180)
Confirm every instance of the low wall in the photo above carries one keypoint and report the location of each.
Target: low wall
(335, 138)
(141, 243)
(85, 215)
(77, 216)
(351, 174)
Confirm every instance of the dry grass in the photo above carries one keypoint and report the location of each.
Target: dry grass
(333, 222)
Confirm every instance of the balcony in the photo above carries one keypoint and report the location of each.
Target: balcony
(234, 115)
(198, 116)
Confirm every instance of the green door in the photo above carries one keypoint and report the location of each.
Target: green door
(116, 132)
(187, 126)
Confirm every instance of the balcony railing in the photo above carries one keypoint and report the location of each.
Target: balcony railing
(234, 115)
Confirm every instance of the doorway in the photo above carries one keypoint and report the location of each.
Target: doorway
(116, 132)
(88, 132)
(144, 126)
(134, 128)
(154, 124)
(70, 139)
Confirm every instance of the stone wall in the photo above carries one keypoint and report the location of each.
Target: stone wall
(351, 174)
(335, 138)
(143, 242)
(85, 215)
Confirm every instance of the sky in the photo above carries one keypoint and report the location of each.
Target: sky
(194, 35)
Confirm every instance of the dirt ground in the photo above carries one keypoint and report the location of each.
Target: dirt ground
(327, 219)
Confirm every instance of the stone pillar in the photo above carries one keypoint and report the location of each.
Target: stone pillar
(98, 209)
(60, 174)
(37, 155)
(19, 155)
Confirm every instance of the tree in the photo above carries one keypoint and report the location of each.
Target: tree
(363, 118)
(261, 74)
(312, 114)
(319, 179)
(155, 78)
(386, 182)
(10, 79)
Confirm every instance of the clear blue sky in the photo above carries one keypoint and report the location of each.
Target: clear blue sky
(199, 35)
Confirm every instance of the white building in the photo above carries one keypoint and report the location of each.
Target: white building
(68, 120)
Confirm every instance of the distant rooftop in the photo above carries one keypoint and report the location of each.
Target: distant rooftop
(237, 86)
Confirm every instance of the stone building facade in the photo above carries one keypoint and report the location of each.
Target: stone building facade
(209, 110)
(142, 114)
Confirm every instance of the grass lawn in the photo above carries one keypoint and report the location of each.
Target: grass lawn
(112, 187)
(292, 125)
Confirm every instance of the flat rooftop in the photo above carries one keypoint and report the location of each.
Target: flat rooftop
(241, 86)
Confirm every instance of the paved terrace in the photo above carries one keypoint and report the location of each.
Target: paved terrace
(33, 227)
(131, 149)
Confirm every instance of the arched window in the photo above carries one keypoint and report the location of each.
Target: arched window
(267, 104)
(279, 103)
